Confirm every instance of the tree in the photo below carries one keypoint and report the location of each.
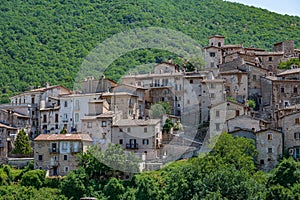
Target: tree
(168, 125)
(286, 174)
(251, 103)
(35, 178)
(113, 189)
(22, 144)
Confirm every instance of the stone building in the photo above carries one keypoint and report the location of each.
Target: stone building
(236, 84)
(269, 144)
(58, 153)
(221, 113)
(139, 136)
(7, 135)
(290, 129)
(29, 103)
(92, 85)
(278, 93)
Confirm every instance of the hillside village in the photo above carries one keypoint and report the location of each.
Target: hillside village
(205, 103)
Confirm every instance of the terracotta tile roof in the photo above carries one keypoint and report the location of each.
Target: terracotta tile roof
(65, 137)
(136, 122)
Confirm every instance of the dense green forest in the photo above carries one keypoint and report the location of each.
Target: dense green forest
(46, 41)
(227, 172)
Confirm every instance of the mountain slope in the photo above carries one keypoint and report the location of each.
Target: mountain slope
(47, 40)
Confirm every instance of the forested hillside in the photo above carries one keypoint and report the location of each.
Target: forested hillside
(47, 40)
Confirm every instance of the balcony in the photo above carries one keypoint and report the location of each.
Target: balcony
(53, 150)
(132, 146)
(76, 150)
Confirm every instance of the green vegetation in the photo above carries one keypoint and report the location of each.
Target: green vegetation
(288, 64)
(227, 172)
(22, 144)
(251, 103)
(46, 41)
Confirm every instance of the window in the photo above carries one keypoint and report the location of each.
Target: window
(121, 130)
(77, 107)
(120, 141)
(178, 105)
(270, 150)
(270, 136)
(56, 118)
(128, 130)
(191, 81)
(145, 141)
(212, 95)
(66, 104)
(76, 117)
(65, 157)
(262, 162)
(145, 130)
(282, 90)
(237, 112)
(270, 58)
(295, 89)
(40, 157)
(103, 124)
(212, 54)
(297, 152)
(89, 124)
(66, 169)
(254, 77)
(217, 126)
(44, 118)
(212, 64)
(217, 113)
(212, 85)
(297, 121)
(188, 101)
(297, 136)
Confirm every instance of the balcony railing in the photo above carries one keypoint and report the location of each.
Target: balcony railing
(53, 150)
(75, 150)
(132, 146)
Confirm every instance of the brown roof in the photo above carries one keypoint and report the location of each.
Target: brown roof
(217, 36)
(64, 137)
(7, 127)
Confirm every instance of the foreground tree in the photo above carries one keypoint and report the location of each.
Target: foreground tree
(22, 144)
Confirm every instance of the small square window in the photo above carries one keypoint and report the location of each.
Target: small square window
(270, 150)
(89, 124)
(40, 157)
(270, 136)
(66, 169)
(103, 124)
(297, 136)
(212, 54)
(145, 141)
(128, 130)
(297, 121)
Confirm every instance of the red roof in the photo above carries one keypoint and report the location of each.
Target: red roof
(65, 137)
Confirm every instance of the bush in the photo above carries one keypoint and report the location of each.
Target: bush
(35, 178)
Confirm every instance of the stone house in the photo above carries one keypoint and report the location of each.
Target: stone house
(73, 107)
(7, 134)
(29, 103)
(290, 129)
(243, 122)
(139, 136)
(269, 144)
(57, 153)
(236, 84)
(279, 93)
(92, 85)
(15, 119)
(212, 92)
(220, 113)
